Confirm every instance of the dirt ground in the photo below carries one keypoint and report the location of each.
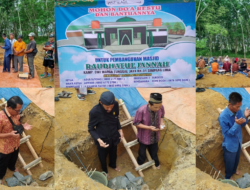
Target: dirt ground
(176, 152)
(206, 182)
(220, 81)
(41, 127)
(209, 138)
(38, 61)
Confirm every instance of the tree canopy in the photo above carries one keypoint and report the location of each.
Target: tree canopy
(223, 27)
(25, 16)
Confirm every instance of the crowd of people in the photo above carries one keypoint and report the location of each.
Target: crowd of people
(219, 65)
(16, 50)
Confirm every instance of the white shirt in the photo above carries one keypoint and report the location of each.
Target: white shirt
(12, 43)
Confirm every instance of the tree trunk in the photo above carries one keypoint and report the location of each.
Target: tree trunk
(235, 46)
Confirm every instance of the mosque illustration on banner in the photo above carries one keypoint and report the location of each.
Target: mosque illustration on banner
(126, 34)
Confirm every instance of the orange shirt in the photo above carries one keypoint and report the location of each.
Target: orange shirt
(19, 46)
(7, 145)
(215, 66)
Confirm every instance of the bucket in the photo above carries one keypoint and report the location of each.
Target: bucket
(100, 177)
(231, 182)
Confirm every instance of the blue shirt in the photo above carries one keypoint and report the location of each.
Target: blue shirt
(7, 47)
(231, 131)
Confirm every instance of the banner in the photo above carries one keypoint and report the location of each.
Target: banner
(126, 43)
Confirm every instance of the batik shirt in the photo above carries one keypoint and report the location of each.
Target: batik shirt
(147, 117)
(7, 145)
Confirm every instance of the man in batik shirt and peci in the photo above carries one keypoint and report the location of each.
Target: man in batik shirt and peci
(149, 122)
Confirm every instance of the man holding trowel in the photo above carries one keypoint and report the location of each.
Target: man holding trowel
(231, 120)
(149, 122)
(105, 128)
(10, 138)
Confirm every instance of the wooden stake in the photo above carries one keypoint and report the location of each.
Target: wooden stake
(218, 175)
(211, 171)
(214, 174)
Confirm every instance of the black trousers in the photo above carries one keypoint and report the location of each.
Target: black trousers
(152, 149)
(104, 152)
(8, 161)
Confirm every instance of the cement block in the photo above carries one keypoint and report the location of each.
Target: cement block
(18, 175)
(124, 183)
(244, 182)
(46, 175)
(12, 182)
(138, 181)
(112, 183)
(132, 185)
(130, 176)
(27, 180)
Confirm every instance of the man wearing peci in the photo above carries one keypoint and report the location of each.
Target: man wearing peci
(149, 122)
(105, 128)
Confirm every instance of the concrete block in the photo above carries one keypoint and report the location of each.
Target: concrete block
(130, 176)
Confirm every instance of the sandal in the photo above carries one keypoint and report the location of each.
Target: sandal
(91, 92)
(43, 77)
(200, 89)
(63, 95)
(67, 92)
(80, 96)
(51, 80)
(44, 74)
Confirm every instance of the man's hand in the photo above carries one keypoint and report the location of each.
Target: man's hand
(102, 144)
(25, 55)
(13, 134)
(121, 134)
(153, 128)
(240, 120)
(27, 126)
(247, 112)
